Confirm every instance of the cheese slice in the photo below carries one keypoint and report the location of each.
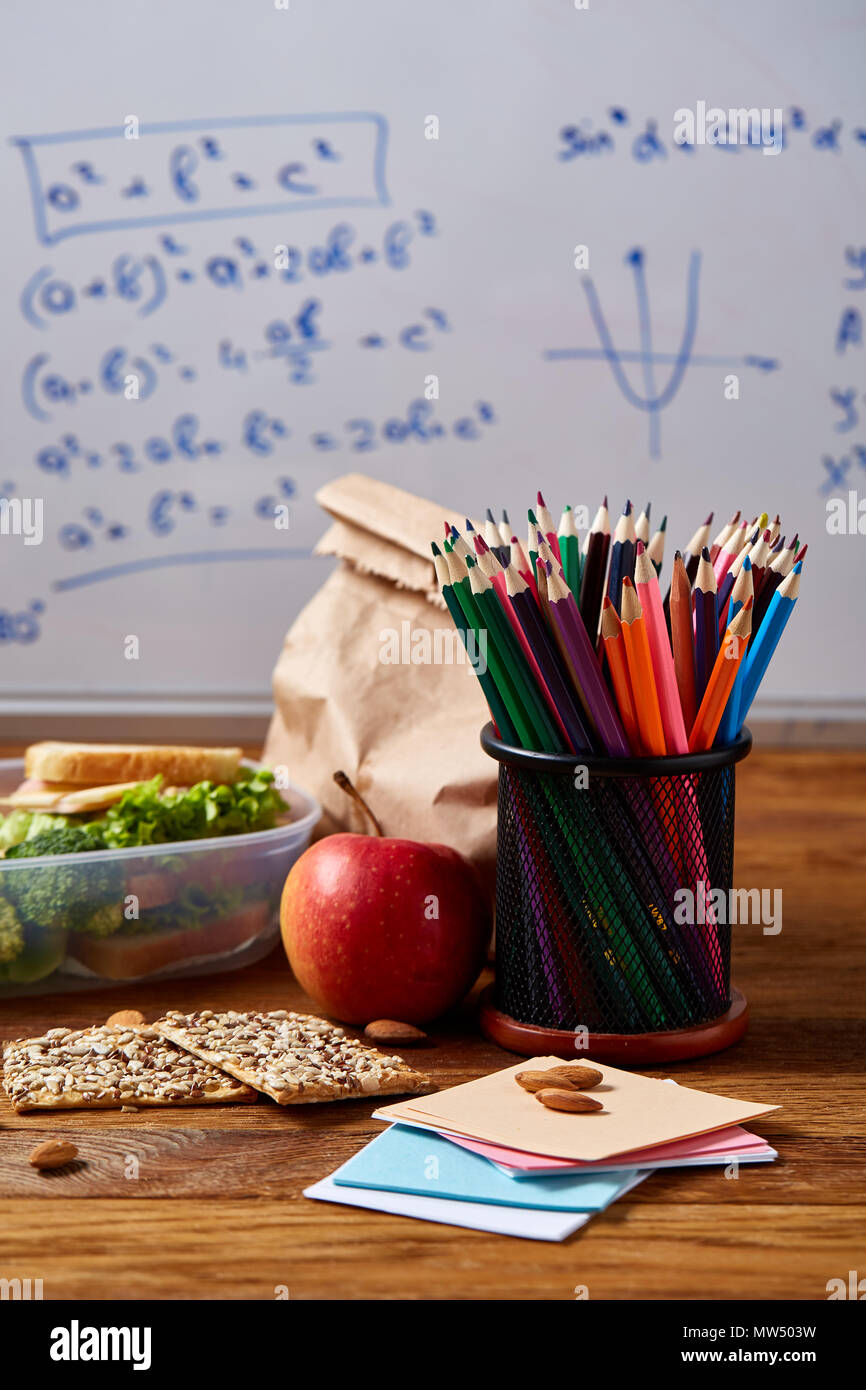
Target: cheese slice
(66, 800)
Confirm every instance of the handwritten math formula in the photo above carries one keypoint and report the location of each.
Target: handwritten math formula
(223, 425)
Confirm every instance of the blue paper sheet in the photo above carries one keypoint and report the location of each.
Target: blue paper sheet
(426, 1165)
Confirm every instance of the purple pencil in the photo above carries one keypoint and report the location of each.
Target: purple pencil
(526, 613)
(579, 653)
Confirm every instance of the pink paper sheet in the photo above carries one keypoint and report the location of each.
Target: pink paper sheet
(723, 1141)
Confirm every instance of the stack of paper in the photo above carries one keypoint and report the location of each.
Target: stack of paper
(487, 1155)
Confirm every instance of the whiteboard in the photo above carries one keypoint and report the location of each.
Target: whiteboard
(241, 241)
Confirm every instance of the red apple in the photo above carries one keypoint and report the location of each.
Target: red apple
(376, 927)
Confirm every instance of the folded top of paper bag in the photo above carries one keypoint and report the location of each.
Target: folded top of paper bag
(380, 529)
(638, 1111)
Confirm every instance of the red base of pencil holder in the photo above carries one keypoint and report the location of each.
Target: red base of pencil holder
(619, 1049)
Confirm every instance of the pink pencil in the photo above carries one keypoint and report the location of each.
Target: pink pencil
(729, 552)
(673, 724)
(647, 585)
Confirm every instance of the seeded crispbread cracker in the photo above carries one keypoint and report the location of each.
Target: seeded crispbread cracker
(105, 1068)
(296, 1059)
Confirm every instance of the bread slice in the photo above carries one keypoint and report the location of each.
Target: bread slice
(121, 957)
(92, 764)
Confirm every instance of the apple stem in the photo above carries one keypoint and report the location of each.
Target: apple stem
(343, 782)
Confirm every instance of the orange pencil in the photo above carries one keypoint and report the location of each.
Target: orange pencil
(617, 660)
(683, 640)
(721, 681)
(640, 670)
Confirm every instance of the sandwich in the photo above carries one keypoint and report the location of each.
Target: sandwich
(74, 778)
(63, 896)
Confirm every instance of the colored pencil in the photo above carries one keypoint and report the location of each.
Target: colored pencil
(706, 624)
(773, 577)
(720, 684)
(487, 559)
(545, 524)
(617, 660)
(521, 562)
(691, 558)
(508, 721)
(459, 545)
(621, 556)
(583, 662)
(694, 549)
(742, 591)
(683, 641)
(761, 649)
(760, 558)
(540, 731)
(723, 536)
(563, 703)
(656, 547)
(569, 549)
(596, 548)
(506, 530)
(640, 670)
(532, 538)
(642, 525)
(647, 585)
(728, 553)
(780, 610)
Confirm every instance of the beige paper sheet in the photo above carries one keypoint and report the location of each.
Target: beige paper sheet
(638, 1113)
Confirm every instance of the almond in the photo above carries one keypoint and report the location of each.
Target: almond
(126, 1018)
(54, 1153)
(387, 1030)
(572, 1076)
(568, 1100)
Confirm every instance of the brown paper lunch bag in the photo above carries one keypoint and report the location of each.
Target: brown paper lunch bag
(406, 734)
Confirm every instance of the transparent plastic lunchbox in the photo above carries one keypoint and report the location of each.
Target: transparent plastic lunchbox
(188, 908)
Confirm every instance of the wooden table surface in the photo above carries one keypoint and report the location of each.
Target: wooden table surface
(216, 1209)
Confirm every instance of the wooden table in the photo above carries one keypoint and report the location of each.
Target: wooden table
(216, 1210)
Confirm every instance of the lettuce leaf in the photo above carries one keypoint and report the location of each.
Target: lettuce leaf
(145, 817)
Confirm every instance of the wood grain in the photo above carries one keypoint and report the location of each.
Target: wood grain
(207, 1203)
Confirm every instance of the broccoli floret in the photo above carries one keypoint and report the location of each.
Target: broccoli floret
(100, 921)
(11, 933)
(63, 839)
(59, 893)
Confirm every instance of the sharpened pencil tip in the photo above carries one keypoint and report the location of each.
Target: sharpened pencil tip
(532, 517)
(626, 511)
(705, 553)
(663, 525)
(747, 562)
(604, 501)
(709, 519)
(434, 547)
(678, 554)
(490, 516)
(540, 500)
(481, 545)
(469, 526)
(505, 517)
(647, 509)
(639, 548)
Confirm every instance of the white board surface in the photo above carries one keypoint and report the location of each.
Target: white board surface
(261, 372)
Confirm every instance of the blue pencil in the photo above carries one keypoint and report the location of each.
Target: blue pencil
(757, 658)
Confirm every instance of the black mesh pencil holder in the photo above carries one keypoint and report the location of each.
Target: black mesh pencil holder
(613, 881)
